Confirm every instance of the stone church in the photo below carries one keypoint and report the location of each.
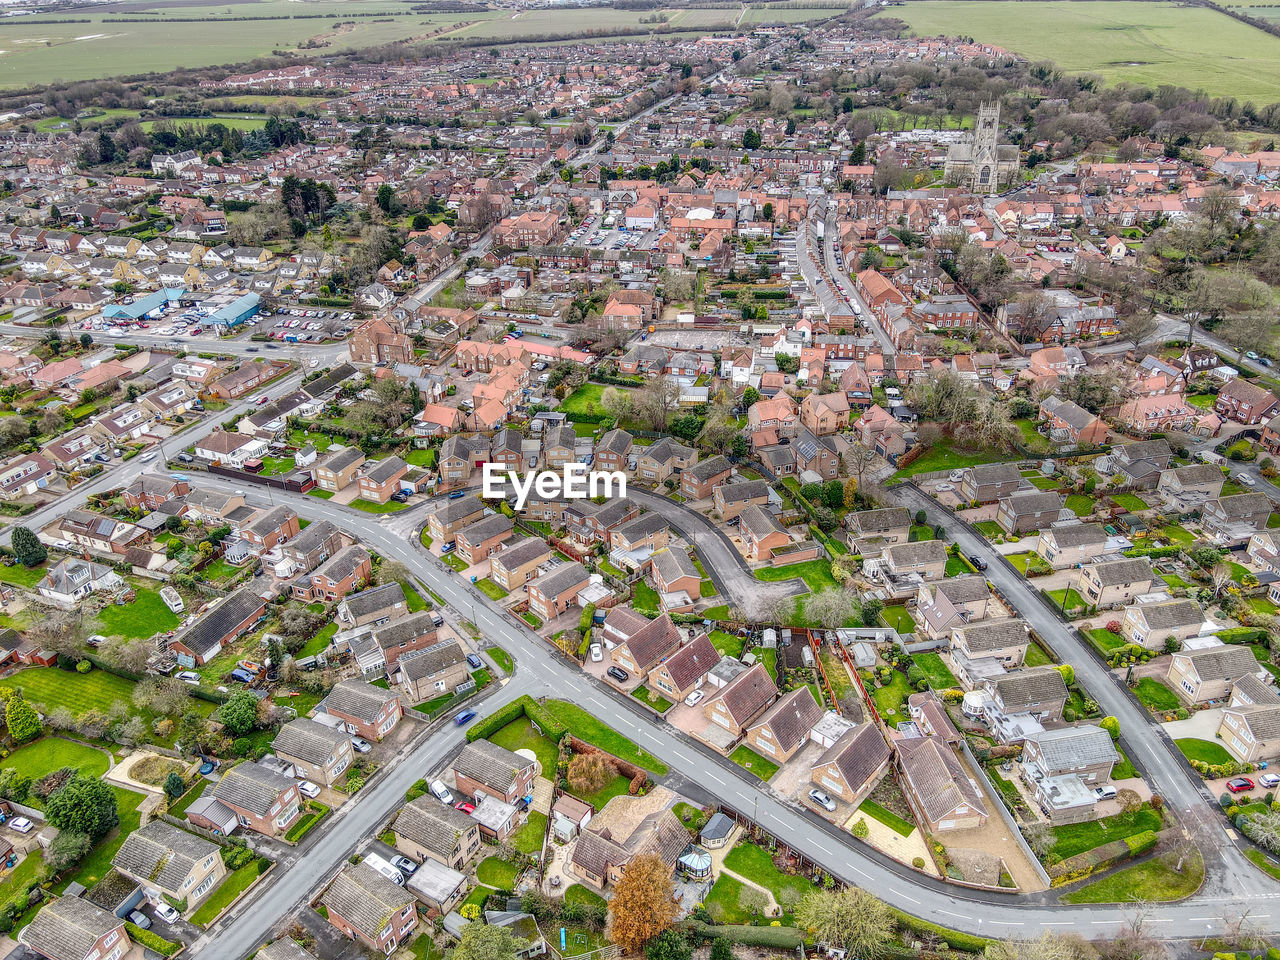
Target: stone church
(984, 165)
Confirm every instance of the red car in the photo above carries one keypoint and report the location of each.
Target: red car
(1240, 785)
(465, 806)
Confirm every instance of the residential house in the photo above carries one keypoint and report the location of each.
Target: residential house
(628, 827)
(1063, 767)
(685, 670)
(697, 482)
(426, 829)
(784, 728)
(432, 671)
(1109, 583)
(320, 753)
(851, 767)
(739, 703)
(728, 500)
(825, 413)
(1236, 517)
(938, 787)
(368, 711)
(338, 576)
(663, 459)
(1072, 544)
(71, 580)
(924, 559)
(649, 645)
(72, 928)
(169, 863)
(1068, 422)
(1153, 625)
(365, 906)
(480, 540)
(870, 531)
(1250, 726)
(989, 482)
(446, 520)
(263, 800)
(483, 767)
(339, 469)
(512, 566)
(1022, 513)
(381, 479)
(377, 605)
(613, 451)
(1037, 692)
(205, 638)
(556, 591)
(1193, 483)
(1245, 402)
(762, 534)
(1200, 676)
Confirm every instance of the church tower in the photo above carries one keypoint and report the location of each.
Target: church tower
(986, 159)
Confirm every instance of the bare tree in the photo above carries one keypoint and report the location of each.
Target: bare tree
(858, 459)
(1139, 328)
(1221, 576)
(831, 608)
(657, 400)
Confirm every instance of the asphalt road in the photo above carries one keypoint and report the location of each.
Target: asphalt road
(1234, 887)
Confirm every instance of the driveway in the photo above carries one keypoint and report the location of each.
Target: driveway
(733, 578)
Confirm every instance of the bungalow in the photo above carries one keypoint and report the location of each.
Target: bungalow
(1154, 625)
(1109, 583)
(364, 905)
(204, 639)
(71, 580)
(625, 828)
(1200, 676)
(230, 449)
(937, 786)
(784, 728)
(320, 753)
(368, 711)
(851, 766)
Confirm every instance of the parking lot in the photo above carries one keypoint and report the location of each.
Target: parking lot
(594, 235)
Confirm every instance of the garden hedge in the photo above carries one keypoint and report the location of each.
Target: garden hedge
(152, 941)
(953, 938)
(1241, 634)
(526, 706)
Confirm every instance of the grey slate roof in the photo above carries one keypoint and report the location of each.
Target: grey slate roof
(1125, 570)
(67, 928)
(868, 522)
(162, 854)
(517, 554)
(374, 600)
(1171, 614)
(1073, 747)
(481, 530)
(358, 699)
(1022, 688)
(286, 948)
(490, 764)
(1077, 534)
(404, 629)
(433, 825)
(994, 634)
(365, 898)
(417, 664)
(1225, 661)
(308, 740)
(252, 787)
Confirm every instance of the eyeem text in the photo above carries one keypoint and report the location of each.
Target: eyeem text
(573, 482)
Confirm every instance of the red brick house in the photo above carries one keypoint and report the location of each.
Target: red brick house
(263, 800)
(381, 479)
(554, 593)
(698, 481)
(74, 920)
(480, 540)
(368, 711)
(486, 768)
(266, 530)
(1245, 402)
(365, 906)
(343, 573)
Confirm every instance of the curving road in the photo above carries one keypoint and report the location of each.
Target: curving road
(1234, 887)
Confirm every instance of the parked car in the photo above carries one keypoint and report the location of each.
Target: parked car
(474, 662)
(241, 676)
(95, 640)
(138, 918)
(597, 653)
(189, 676)
(308, 789)
(977, 561)
(167, 913)
(1244, 478)
(1104, 792)
(822, 800)
(21, 824)
(404, 865)
(466, 806)
(618, 674)
(692, 699)
(361, 745)
(944, 488)
(1239, 784)
(1270, 780)
(465, 717)
(441, 792)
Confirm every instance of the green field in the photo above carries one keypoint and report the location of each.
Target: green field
(1146, 43)
(232, 122)
(143, 618)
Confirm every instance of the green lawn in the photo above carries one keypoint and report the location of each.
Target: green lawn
(50, 688)
(943, 456)
(1205, 750)
(1261, 605)
(940, 677)
(887, 817)
(502, 659)
(889, 699)
(1129, 501)
(1155, 695)
(585, 401)
(728, 644)
(815, 573)
(724, 902)
(1177, 533)
(588, 728)
(1036, 656)
(528, 839)
(988, 528)
(1067, 599)
(521, 734)
(1045, 483)
(756, 864)
(21, 576)
(477, 896)
(748, 759)
(1124, 768)
(498, 874)
(644, 597)
(1152, 880)
(1073, 838)
(143, 618)
(46, 755)
(718, 612)
(647, 696)
(491, 589)
(898, 618)
(1104, 639)
(578, 894)
(956, 566)
(368, 506)
(619, 786)
(1021, 561)
(1080, 505)
(217, 570)
(320, 641)
(422, 458)
(1174, 582)
(920, 531)
(234, 884)
(16, 883)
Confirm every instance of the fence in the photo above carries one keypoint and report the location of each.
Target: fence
(278, 483)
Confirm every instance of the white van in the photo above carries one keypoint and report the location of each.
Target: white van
(385, 868)
(441, 792)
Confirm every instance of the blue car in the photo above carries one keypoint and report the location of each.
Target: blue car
(465, 717)
(241, 676)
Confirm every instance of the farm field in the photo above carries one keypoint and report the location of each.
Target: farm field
(1147, 43)
(782, 13)
(230, 121)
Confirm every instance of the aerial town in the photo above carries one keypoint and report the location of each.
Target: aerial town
(934, 607)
